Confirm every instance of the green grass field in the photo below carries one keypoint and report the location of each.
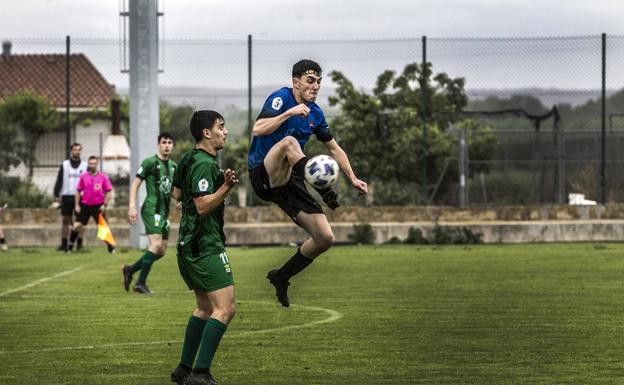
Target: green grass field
(522, 314)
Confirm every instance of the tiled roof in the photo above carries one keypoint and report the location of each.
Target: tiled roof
(44, 74)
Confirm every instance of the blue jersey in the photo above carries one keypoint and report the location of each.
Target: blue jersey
(299, 127)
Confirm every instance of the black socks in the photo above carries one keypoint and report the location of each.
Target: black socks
(294, 265)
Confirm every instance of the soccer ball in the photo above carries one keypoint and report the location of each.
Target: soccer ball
(321, 171)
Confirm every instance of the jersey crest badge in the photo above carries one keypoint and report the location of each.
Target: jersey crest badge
(202, 185)
(277, 103)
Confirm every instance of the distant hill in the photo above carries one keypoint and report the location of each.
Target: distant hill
(548, 96)
(220, 98)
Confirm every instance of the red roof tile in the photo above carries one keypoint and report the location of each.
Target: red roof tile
(44, 74)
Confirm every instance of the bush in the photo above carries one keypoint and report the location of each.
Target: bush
(415, 236)
(455, 236)
(362, 234)
(17, 193)
(393, 241)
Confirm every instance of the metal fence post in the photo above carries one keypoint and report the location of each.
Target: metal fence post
(67, 96)
(249, 112)
(561, 158)
(423, 93)
(603, 145)
(462, 168)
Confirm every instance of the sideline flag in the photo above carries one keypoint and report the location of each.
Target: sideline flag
(104, 232)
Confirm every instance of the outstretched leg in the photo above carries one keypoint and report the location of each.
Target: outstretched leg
(321, 240)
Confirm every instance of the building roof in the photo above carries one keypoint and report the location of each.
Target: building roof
(44, 74)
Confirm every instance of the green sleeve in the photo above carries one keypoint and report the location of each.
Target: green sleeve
(174, 166)
(144, 170)
(203, 178)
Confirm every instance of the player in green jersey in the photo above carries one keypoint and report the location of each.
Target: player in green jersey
(202, 187)
(157, 171)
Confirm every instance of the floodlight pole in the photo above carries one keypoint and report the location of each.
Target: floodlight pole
(144, 118)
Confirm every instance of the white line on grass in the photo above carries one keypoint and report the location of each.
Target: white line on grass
(42, 280)
(333, 317)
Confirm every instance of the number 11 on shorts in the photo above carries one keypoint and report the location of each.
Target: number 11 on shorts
(226, 262)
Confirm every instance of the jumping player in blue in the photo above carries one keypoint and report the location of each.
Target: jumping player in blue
(276, 165)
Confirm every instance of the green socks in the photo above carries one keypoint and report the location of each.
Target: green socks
(146, 262)
(192, 339)
(213, 331)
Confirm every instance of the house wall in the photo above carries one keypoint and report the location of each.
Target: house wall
(89, 137)
(51, 152)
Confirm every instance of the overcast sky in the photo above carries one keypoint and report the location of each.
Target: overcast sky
(275, 19)
(543, 63)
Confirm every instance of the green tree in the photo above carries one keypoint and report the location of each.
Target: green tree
(34, 114)
(175, 119)
(180, 148)
(382, 132)
(13, 150)
(234, 156)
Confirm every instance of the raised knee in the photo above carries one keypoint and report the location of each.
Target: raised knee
(290, 141)
(325, 240)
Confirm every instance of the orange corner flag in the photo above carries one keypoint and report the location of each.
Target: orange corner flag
(104, 232)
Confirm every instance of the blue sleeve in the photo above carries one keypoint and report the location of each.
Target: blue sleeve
(273, 106)
(322, 129)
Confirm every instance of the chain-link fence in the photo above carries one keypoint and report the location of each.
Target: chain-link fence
(533, 74)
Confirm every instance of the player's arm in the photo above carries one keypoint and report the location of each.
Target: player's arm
(176, 194)
(77, 201)
(58, 185)
(208, 203)
(336, 152)
(108, 192)
(265, 126)
(134, 188)
(107, 197)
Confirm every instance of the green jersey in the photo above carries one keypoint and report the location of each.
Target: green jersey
(199, 174)
(158, 176)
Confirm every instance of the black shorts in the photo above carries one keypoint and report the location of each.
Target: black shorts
(67, 205)
(87, 212)
(292, 197)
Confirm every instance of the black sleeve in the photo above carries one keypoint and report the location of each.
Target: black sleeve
(324, 136)
(59, 182)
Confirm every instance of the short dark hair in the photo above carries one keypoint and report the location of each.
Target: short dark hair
(303, 66)
(165, 135)
(75, 144)
(203, 119)
(93, 157)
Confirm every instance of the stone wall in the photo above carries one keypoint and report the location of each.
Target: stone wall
(268, 225)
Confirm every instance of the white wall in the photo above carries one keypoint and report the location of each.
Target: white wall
(54, 145)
